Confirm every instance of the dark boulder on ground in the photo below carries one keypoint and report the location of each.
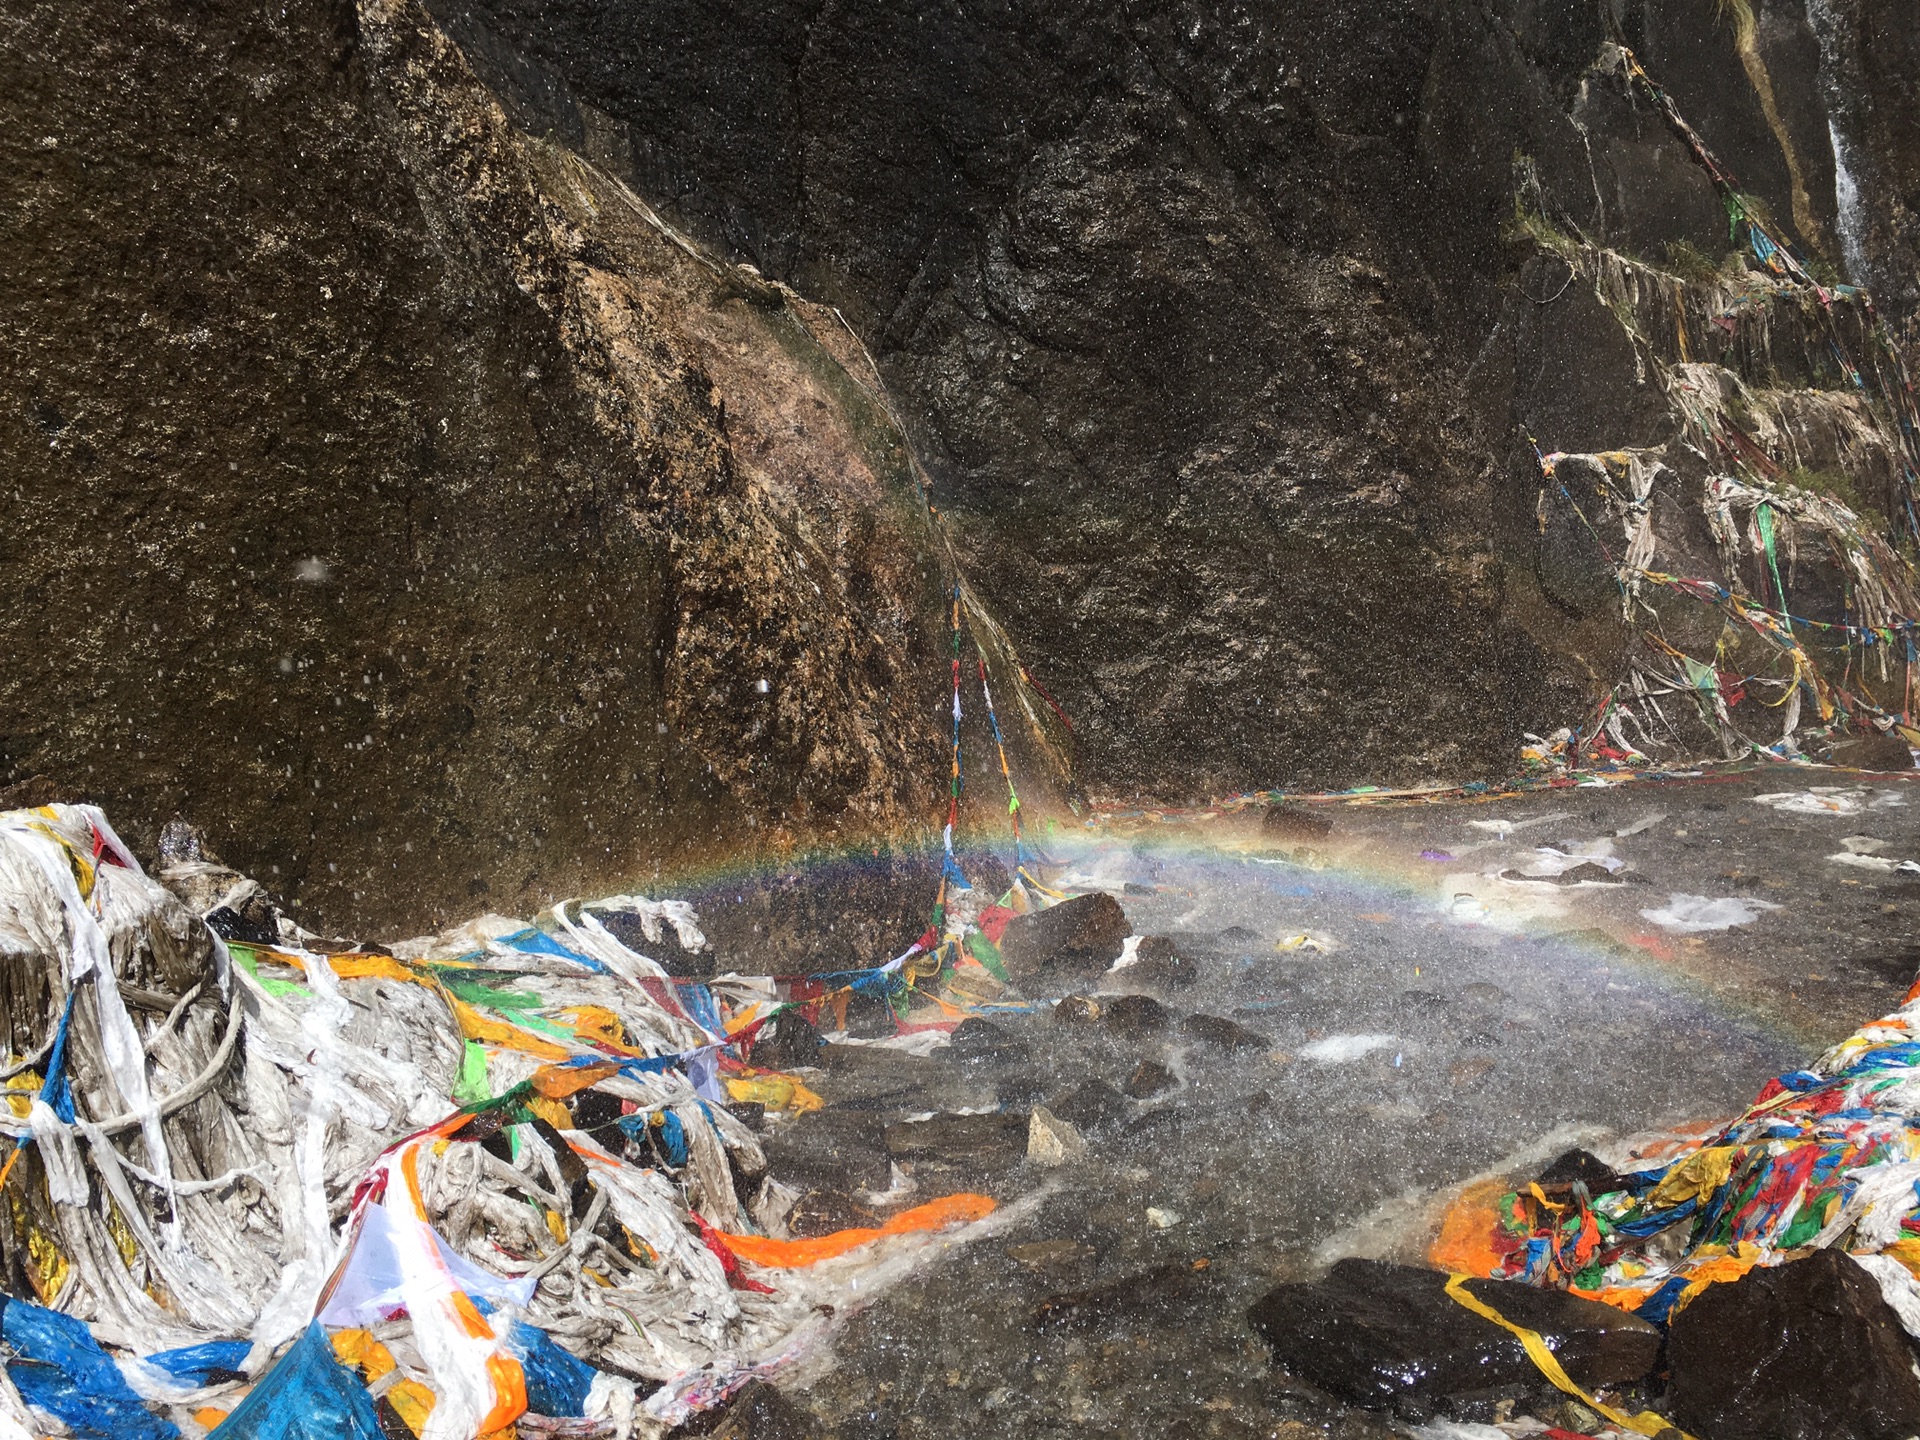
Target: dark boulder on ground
(1135, 1015)
(1372, 1334)
(833, 1149)
(1076, 1010)
(1018, 1089)
(1586, 1168)
(1872, 752)
(1222, 1033)
(1805, 1351)
(1149, 1078)
(960, 1146)
(1091, 1105)
(977, 1042)
(1075, 939)
(1157, 960)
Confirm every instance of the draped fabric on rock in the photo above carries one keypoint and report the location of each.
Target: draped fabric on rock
(484, 1171)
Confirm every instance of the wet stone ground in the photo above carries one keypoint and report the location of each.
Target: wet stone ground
(1457, 1024)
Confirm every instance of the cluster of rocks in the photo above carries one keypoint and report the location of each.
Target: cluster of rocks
(1026, 1090)
(1807, 1350)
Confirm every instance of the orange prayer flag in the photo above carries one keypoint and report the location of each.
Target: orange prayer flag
(791, 1254)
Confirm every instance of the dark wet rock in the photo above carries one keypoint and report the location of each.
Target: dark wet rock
(756, 1412)
(793, 1042)
(1017, 1089)
(1373, 1333)
(1080, 937)
(1235, 935)
(1897, 965)
(823, 1211)
(1805, 1351)
(1423, 999)
(1076, 1010)
(982, 1044)
(1222, 1033)
(1584, 1167)
(594, 1110)
(1150, 1293)
(830, 1149)
(1135, 1016)
(1134, 887)
(1149, 1078)
(1872, 752)
(1295, 822)
(1091, 1105)
(1158, 960)
(961, 1144)
(750, 1113)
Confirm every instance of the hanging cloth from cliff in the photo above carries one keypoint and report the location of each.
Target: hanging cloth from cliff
(1763, 520)
(1637, 515)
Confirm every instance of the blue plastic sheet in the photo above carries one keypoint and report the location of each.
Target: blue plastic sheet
(60, 1368)
(208, 1364)
(539, 942)
(308, 1395)
(557, 1381)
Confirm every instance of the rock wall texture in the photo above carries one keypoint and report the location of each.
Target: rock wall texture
(1183, 303)
(394, 495)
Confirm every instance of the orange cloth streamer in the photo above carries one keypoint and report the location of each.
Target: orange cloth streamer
(476, 1026)
(361, 966)
(790, 1254)
(557, 1082)
(1465, 1243)
(1620, 1297)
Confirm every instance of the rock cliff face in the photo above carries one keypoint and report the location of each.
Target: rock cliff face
(398, 493)
(393, 493)
(1185, 305)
